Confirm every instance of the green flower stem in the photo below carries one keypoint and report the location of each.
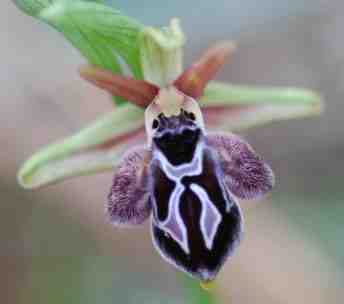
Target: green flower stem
(195, 293)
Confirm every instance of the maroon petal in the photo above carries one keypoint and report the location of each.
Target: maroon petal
(128, 200)
(139, 92)
(193, 81)
(246, 175)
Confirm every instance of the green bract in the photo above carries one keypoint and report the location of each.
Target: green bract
(103, 35)
(99, 32)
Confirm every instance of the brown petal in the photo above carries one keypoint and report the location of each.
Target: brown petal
(193, 81)
(139, 92)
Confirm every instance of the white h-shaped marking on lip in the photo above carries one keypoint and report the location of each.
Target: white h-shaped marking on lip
(174, 224)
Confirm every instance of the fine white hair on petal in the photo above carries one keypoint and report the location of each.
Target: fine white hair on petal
(246, 174)
(128, 201)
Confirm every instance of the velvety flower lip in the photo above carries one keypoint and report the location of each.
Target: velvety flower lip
(141, 187)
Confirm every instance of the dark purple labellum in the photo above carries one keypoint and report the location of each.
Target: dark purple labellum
(191, 181)
(196, 221)
(198, 224)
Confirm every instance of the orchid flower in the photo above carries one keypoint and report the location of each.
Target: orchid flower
(157, 96)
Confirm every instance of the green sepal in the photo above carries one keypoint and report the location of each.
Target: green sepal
(93, 149)
(242, 107)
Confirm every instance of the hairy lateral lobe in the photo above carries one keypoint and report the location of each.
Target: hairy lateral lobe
(196, 223)
(128, 200)
(245, 173)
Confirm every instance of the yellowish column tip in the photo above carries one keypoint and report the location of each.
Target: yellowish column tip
(208, 285)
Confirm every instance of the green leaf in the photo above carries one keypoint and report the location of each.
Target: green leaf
(94, 149)
(99, 32)
(235, 107)
(33, 7)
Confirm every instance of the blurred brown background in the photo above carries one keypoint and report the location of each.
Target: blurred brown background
(56, 246)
